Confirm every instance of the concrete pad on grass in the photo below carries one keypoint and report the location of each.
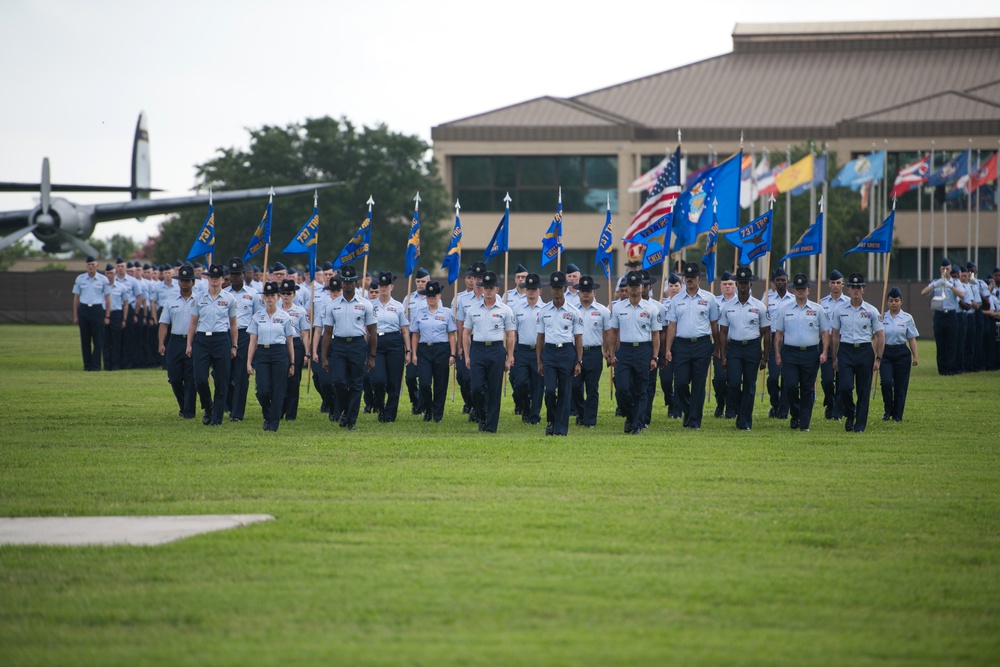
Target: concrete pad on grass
(113, 530)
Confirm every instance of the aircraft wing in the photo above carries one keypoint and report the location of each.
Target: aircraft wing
(14, 219)
(61, 187)
(144, 207)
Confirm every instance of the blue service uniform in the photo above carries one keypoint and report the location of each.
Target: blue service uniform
(211, 347)
(896, 362)
(833, 408)
(527, 385)
(692, 316)
(248, 304)
(855, 358)
(131, 339)
(412, 303)
(432, 333)
(804, 337)
(487, 360)
(271, 361)
(720, 378)
(462, 373)
(349, 350)
(779, 406)
(974, 302)
(746, 325)
(647, 411)
(300, 322)
(390, 357)
(90, 313)
(667, 371)
(586, 386)
(321, 378)
(113, 332)
(946, 325)
(636, 325)
(176, 317)
(560, 331)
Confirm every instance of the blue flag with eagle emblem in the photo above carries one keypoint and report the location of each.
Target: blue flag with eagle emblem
(753, 239)
(693, 215)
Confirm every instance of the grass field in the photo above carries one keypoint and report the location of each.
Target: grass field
(432, 544)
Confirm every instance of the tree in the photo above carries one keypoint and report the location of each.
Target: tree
(374, 161)
(16, 251)
(118, 245)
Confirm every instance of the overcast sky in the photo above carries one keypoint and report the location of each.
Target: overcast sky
(76, 73)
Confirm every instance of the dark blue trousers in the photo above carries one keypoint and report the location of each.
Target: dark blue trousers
(895, 376)
(463, 376)
(963, 329)
(113, 342)
(691, 360)
(211, 353)
(831, 399)
(855, 372)
(180, 375)
(486, 380)
(667, 386)
(291, 408)
(587, 385)
(978, 349)
(527, 385)
(720, 383)
(347, 371)
(970, 341)
(91, 325)
(239, 379)
(946, 340)
(270, 365)
(387, 376)
(798, 381)
(632, 381)
(558, 364)
(743, 362)
(778, 400)
(432, 369)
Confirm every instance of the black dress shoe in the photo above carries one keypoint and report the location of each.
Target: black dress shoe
(352, 427)
(415, 410)
(619, 413)
(772, 413)
(368, 410)
(849, 424)
(325, 409)
(465, 409)
(719, 411)
(518, 411)
(343, 422)
(427, 416)
(206, 418)
(235, 419)
(886, 417)
(828, 413)
(794, 423)
(267, 425)
(548, 429)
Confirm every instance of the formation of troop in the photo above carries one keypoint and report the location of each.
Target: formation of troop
(214, 327)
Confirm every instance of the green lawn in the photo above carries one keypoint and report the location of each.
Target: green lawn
(432, 544)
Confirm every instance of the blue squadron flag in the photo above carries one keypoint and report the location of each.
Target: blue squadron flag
(205, 243)
(306, 242)
(753, 239)
(262, 236)
(552, 243)
(709, 257)
(880, 239)
(654, 237)
(453, 260)
(604, 244)
(498, 244)
(810, 243)
(357, 247)
(413, 243)
(692, 216)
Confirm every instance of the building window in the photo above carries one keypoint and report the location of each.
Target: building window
(480, 182)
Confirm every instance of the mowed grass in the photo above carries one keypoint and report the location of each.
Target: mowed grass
(432, 544)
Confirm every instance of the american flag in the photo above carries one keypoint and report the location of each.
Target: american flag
(660, 201)
(911, 176)
(767, 185)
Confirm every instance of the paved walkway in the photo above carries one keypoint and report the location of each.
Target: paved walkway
(112, 530)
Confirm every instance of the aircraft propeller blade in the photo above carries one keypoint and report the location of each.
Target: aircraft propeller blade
(46, 187)
(11, 239)
(82, 245)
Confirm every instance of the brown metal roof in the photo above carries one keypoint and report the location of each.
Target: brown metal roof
(786, 90)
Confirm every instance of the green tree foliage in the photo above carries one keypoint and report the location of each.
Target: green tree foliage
(16, 251)
(375, 161)
(846, 225)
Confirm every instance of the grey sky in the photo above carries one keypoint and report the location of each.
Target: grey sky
(77, 72)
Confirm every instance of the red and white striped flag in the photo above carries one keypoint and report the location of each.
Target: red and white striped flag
(767, 185)
(661, 201)
(646, 182)
(911, 176)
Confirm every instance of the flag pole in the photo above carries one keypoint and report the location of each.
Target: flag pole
(888, 258)
(812, 209)
(312, 297)
(559, 239)
(930, 249)
(364, 264)
(454, 311)
(968, 202)
(267, 244)
(767, 294)
(208, 255)
(409, 277)
(822, 243)
(979, 157)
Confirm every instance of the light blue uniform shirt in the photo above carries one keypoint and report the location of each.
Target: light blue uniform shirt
(899, 329)
(514, 299)
(802, 326)
(596, 320)
(527, 321)
(299, 317)
(943, 286)
(972, 297)
(248, 304)
(413, 302)
(349, 319)
(303, 296)
(177, 313)
(694, 314)
(165, 292)
(91, 290)
(136, 288)
(465, 299)
(856, 325)
(119, 292)
(776, 303)
(635, 324)
(391, 317)
(433, 327)
(213, 314)
(489, 324)
(827, 304)
(271, 329)
(744, 320)
(573, 298)
(559, 325)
